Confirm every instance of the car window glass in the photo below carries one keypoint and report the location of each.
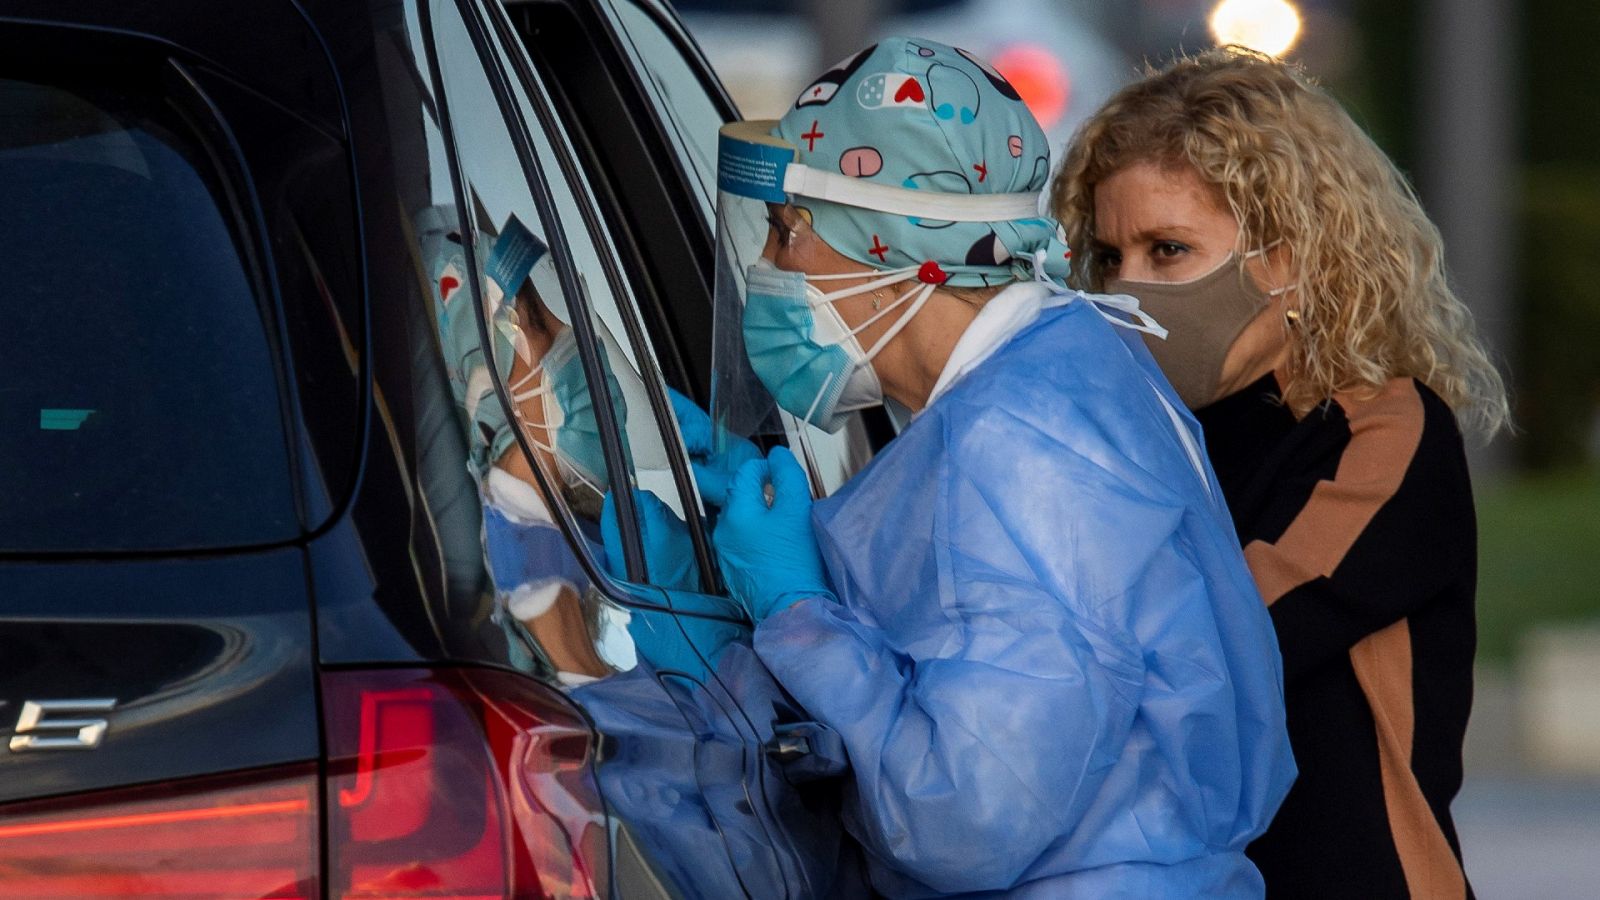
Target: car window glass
(611, 301)
(673, 84)
(494, 277)
(642, 428)
(139, 397)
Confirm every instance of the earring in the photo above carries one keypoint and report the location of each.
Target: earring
(1292, 316)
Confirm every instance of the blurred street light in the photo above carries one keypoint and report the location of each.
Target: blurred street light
(1266, 26)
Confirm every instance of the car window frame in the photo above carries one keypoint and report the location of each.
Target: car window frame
(621, 288)
(635, 591)
(674, 269)
(693, 57)
(567, 277)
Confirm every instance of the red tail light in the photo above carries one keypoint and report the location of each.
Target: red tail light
(446, 785)
(458, 784)
(205, 838)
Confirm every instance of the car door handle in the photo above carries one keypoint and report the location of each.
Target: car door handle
(808, 751)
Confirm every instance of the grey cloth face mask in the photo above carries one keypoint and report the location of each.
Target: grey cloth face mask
(1203, 317)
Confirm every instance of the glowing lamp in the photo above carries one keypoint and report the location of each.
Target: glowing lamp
(1266, 26)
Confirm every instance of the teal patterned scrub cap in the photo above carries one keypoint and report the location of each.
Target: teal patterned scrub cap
(507, 259)
(919, 115)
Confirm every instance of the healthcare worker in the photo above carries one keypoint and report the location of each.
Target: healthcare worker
(1027, 619)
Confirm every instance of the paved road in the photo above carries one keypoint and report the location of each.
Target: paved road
(1529, 838)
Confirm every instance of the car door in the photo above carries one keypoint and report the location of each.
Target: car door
(637, 636)
(654, 237)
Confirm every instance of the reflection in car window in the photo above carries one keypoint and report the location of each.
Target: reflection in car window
(492, 271)
(666, 518)
(139, 404)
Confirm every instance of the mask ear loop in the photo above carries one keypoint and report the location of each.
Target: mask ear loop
(516, 386)
(1129, 306)
(821, 392)
(840, 276)
(518, 396)
(920, 291)
(1120, 302)
(923, 292)
(1262, 251)
(890, 277)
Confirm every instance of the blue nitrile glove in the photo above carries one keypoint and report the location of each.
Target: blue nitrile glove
(712, 470)
(668, 549)
(769, 554)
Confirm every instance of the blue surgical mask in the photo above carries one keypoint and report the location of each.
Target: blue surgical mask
(569, 412)
(804, 353)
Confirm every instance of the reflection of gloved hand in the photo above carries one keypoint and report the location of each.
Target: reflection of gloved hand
(668, 550)
(712, 470)
(686, 644)
(683, 643)
(768, 554)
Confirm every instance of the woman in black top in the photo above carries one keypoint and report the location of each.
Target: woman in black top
(1312, 328)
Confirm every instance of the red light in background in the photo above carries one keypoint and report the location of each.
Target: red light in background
(1040, 77)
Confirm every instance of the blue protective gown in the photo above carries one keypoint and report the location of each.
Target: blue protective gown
(1049, 665)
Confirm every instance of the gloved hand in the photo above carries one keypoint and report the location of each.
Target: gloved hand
(712, 470)
(769, 554)
(668, 549)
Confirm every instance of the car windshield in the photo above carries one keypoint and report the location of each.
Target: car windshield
(139, 406)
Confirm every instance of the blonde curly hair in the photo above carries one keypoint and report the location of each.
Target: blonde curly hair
(1292, 166)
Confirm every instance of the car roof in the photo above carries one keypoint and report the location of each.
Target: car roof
(266, 45)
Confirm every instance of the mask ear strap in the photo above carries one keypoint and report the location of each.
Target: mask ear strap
(821, 392)
(894, 276)
(923, 292)
(840, 276)
(554, 453)
(528, 395)
(1130, 306)
(896, 304)
(1261, 251)
(1275, 292)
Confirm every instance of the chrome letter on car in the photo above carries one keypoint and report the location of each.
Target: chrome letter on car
(58, 725)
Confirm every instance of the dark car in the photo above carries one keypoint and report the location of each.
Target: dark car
(252, 640)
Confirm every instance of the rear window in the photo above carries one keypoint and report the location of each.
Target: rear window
(139, 403)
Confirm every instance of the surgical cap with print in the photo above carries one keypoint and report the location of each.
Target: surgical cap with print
(915, 114)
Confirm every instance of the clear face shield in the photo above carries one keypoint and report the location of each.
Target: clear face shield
(750, 169)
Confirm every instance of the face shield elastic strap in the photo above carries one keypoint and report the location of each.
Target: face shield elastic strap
(753, 163)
